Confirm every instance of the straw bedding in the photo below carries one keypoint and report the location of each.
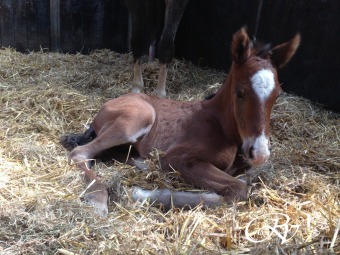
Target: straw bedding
(293, 206)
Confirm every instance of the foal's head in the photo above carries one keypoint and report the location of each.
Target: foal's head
(255, 88)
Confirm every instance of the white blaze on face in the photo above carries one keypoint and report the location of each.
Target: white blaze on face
(263, 83)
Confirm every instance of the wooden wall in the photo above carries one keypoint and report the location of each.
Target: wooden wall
(66, 25)
(24, 24)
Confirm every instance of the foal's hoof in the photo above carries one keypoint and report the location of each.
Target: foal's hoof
(97, 196)
(69, 142)
(242, 193)
(236, 193)
(248, 177)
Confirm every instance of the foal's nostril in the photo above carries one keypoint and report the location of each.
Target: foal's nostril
(251, 149)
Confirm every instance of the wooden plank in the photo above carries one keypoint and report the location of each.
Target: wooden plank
(93, 24)
(6, 23)
(115, 27)
(55, 25)
(43, 23)
(20, 26)
(71, 25)
(32, 26)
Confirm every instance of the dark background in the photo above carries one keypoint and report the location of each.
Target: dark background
(203, 36)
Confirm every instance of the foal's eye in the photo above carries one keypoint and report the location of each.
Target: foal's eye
(239, 94)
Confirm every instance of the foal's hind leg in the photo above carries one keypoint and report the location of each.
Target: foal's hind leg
(111, 134)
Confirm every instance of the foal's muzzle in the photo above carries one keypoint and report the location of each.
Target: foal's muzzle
(256, 149)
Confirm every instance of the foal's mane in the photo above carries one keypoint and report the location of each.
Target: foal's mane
(261, 49)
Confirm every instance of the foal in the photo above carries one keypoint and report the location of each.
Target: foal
(145, 24)
(199, 139)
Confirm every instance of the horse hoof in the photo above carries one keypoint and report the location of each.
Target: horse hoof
(102, 210)
(97, 196)
(159, 93)
(135, 90)
(242, 195)
(100, 207)
(68, 142)
(236, 193)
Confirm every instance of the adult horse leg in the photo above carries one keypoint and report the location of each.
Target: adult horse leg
(174, 10)
(137, 83)
(137, 41)
(113, 133)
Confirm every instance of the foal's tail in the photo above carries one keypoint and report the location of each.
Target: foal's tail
(73, 140)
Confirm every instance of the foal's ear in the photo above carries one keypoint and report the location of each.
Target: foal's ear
(240, 46)
(282, 53)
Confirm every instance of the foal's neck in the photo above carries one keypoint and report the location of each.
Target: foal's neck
(222, 103)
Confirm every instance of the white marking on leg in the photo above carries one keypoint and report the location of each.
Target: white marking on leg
(139, 162)
(152, 51)
(137, 82)
(263, 83)
(176, 198)
(78, 155)
(160, 90)
(133, 138)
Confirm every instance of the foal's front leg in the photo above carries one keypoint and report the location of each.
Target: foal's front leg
(205, 175)
(241, 168)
